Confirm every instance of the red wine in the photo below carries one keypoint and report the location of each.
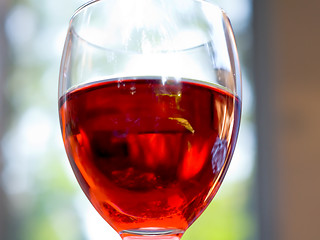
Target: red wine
(147, 153)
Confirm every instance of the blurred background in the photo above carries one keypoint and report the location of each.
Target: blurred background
(271, 190)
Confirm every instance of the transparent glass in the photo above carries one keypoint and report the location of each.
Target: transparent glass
(150, 105)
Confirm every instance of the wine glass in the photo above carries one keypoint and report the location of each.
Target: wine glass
(149, 105)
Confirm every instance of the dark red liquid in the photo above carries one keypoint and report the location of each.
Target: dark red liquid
(147, 153)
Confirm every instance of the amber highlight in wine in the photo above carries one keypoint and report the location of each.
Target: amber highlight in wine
(149, 153)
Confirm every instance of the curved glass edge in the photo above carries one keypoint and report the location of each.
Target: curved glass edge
(235, 61)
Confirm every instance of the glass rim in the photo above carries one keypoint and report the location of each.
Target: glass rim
(73, 31)
(131, 52)
(85, 5)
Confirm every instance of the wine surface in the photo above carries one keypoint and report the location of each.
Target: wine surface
(148, 153)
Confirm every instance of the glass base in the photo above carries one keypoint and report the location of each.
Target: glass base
(151, 234)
